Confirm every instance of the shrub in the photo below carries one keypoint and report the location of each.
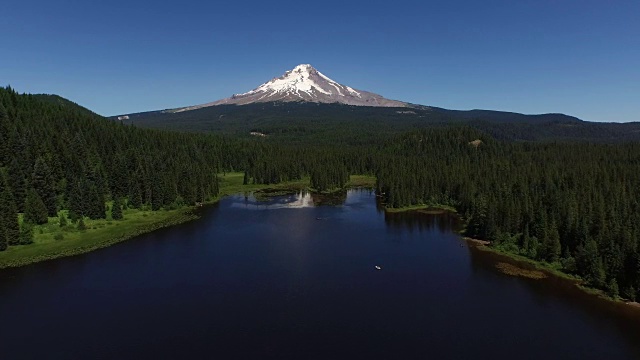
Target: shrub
(81, 224)
(63, 220)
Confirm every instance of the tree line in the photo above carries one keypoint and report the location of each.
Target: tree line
(574, 205)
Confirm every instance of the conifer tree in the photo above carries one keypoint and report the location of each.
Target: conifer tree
(589, 264)
(18, 183)
(552, 245)
(157, 194)
(116, 210)
(77, 201)
(4, 137)
(9, 226)
(96, 204)
(26, 233)
(3, 243)
(612, 288)
(43, 184)
(135, 195)
(35, 211)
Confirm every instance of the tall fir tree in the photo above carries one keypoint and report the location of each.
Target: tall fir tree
(26, 233)
(18, 183)
(9, 226)
(3, 243)
(35, 211)
(5, 130)
(135, 194)
(43, 183)
(96, 203)
(116, 209)
(78, 200)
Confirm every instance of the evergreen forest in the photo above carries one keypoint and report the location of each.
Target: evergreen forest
(574, 205)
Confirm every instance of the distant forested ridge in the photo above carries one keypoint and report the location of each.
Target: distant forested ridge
(312, 123)
(575, 205)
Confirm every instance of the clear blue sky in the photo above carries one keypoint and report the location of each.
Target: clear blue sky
(579, 57)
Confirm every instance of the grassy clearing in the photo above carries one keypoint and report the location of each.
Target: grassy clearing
(364, 181)
(231, 183)
(52, 241)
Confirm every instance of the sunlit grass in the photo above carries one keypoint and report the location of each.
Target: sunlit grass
(52, 241)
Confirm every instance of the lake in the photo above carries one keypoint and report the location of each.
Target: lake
(289, 278)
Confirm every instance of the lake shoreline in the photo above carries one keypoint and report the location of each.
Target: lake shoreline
(171, 218)
(484, 245)
(230, 184)
(519, 260)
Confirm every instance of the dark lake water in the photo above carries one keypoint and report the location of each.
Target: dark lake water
(286, 279)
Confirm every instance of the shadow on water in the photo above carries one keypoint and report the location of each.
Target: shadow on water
(416, 220)
(51, 269)
(552, 289)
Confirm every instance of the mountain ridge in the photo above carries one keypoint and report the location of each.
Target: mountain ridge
(303, 83)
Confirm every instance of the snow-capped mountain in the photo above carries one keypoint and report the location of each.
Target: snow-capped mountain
(304, 83)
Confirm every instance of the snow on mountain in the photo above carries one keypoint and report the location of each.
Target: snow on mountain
(304, 83)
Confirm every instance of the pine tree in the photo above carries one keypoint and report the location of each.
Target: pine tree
(26, 233)
(612, 288)
(96, 204)
(9, 226)
(589, 264)
(116, 210)
(18, 183)
(5, 151)
(552, 245)
(157, 191)
(43, 183)
(135, 194)
(77, 201)
(35, 211)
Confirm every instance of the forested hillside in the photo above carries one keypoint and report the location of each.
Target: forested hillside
(56, 155)
(311, 123)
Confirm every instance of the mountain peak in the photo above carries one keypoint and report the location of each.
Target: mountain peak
(303, 67)
(304, 83)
